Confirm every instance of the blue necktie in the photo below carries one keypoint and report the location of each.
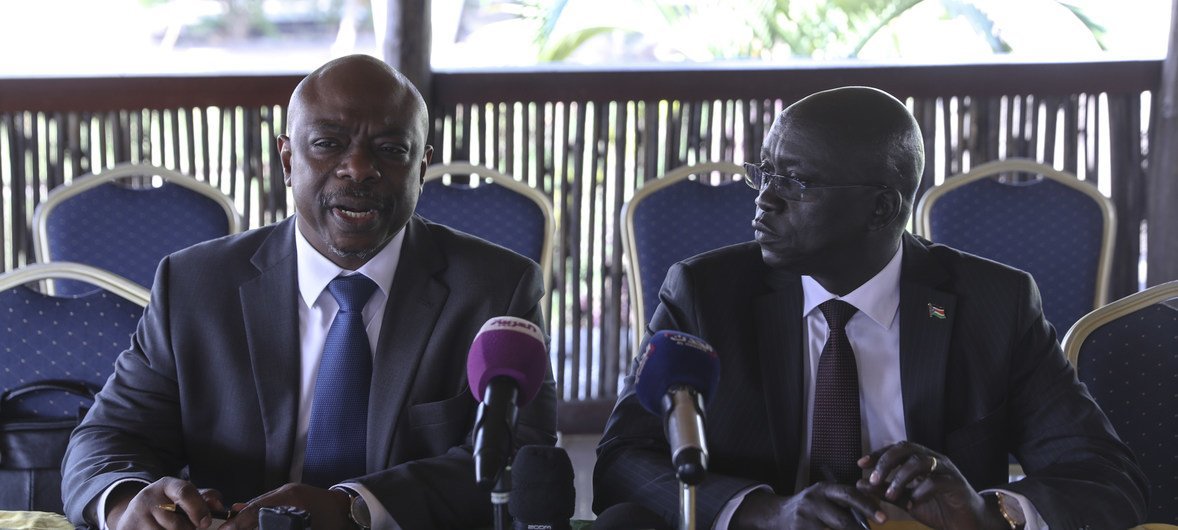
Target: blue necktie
(337, 434)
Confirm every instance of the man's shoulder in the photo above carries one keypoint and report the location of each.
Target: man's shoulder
(970, 269)
(463, 248)
(741, 256)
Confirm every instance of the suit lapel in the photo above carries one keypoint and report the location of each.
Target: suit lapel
(926, 324)
(415, 301)
(273, 346)
(779, 346)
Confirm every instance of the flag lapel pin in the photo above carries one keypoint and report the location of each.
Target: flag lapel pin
(936, 311)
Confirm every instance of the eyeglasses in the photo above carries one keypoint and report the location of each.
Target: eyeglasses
(790, 188)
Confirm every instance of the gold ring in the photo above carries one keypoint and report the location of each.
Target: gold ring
(934, 468)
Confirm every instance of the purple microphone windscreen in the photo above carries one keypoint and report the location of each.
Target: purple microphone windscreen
(671, 359)
(512, 347)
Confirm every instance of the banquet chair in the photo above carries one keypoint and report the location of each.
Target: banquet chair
(118, 221)
(1126, 353)
(58, 351)
(1054, 226)
(678, 216)
(486, 203)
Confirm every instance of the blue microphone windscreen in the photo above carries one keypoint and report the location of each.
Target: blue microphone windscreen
(674, 358)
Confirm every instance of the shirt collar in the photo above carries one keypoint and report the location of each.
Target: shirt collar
(315, 271)
(878, 298)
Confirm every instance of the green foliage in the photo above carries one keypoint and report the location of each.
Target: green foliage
(768, 29)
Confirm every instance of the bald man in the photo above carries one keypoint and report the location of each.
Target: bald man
(867, 373)
(218, 403)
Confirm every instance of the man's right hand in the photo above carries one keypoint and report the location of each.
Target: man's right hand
(133, 509)
(822, 505)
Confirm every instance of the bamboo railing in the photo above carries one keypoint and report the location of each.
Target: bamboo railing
(587, 139)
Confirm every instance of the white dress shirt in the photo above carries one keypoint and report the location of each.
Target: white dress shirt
(874, 333)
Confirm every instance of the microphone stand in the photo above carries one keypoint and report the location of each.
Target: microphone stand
(686, 506)
(500, 494)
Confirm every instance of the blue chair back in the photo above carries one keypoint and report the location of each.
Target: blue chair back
(1127, 355)
(497, 208)
(77, 337)
(98, 220)
(676, 217)
(1056, 227)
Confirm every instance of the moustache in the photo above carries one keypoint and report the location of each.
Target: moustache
(329, 199)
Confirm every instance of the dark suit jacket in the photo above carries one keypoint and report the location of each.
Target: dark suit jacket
(987, 380)
(210, 385)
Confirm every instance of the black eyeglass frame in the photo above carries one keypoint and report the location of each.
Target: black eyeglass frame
(790, 188)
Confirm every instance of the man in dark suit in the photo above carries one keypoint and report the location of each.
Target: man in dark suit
(928, 365)
(222, 401)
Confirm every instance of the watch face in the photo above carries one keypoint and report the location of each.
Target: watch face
(360, 514)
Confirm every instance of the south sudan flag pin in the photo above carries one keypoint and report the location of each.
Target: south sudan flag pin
(936, 311)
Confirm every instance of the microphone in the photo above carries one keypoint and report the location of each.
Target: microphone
(542, 493)
(629, 516)
(675, 376)
(506, 367)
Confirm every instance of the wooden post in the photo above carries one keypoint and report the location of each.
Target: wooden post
(406, 43)
(1161, 214)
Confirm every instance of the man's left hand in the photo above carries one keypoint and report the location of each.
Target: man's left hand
(328, 508)
(928, 486)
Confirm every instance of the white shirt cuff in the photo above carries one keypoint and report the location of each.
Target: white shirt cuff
(725, 516)
(1030, 514)
(100, 508)
(381, 518)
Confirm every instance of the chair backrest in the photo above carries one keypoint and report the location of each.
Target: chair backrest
(76, 337)
(102, 221)
(486, 203)
(1127, 354)
(1054, 226)
(676, 217)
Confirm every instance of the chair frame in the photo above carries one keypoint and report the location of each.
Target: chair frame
(1075, 337)
(634, 274)
(60, 194)
(65, 270)
(1020, 165)
(437, 171)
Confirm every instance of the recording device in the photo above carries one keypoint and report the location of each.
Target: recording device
(542, 493)
(629, 516)
(676, 375)
(283, 518)
(506, 367)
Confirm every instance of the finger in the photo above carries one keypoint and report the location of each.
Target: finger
(892, 458)
(853, 500)
(213, 498)
(916, 466)
(932, 486)
(188, 498)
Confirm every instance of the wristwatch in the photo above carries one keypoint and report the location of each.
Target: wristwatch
(1011, 511)
(358, 512)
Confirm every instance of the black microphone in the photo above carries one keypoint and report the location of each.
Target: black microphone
(542, 493)
(629, 516)
(676, 375)
(507, 364)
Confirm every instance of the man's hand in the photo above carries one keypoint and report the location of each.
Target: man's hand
(823, 505)
(328, 508)
(134, 509)
(928, 486)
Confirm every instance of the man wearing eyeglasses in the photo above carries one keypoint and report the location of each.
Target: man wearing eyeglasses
(867, 374)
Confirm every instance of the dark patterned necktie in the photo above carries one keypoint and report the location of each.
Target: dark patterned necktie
(835, 443)
(337, 433)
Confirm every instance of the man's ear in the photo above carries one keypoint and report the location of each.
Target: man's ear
(888, 207)
(284, 155)
(425, 160)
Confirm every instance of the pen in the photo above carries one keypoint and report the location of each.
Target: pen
(217, 514)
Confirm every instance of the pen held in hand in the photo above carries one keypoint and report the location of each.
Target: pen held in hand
(224, 515)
